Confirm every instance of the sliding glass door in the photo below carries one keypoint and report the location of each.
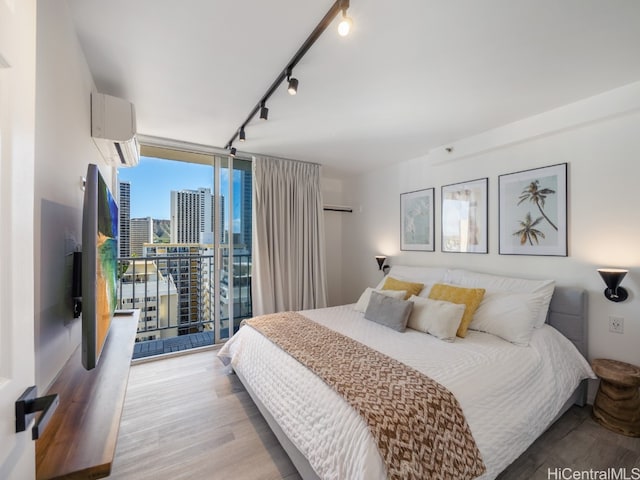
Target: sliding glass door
(233, 185)
(185, 248)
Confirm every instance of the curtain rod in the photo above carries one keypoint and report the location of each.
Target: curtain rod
(258, 156)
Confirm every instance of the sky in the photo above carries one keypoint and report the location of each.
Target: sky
(152, 181)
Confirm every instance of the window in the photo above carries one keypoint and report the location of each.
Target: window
(193, 209)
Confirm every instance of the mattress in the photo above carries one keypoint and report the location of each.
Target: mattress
(508, 393)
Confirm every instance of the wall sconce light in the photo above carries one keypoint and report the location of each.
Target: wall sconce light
(381, 266)
(613, 277)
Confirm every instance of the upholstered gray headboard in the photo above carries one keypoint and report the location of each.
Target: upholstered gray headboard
(568, 315)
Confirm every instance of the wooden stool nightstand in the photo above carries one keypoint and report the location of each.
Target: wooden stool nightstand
(617, 403)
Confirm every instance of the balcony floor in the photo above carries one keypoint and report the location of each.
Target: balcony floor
(174, 344)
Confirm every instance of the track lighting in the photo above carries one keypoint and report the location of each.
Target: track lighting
(232, 152)
(293, 84)
(264, 111)
(344, 27)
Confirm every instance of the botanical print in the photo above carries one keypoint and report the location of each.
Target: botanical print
(464, 217)
(531, 228)
(535, 194)
(416, 218)
(533, 212)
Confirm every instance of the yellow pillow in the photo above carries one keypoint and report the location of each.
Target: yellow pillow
(411, 288)
(471, 297)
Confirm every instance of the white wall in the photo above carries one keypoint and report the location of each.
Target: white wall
(63, 149)
(599, 138)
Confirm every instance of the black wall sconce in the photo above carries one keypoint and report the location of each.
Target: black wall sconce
(613, 277)
(381, 266)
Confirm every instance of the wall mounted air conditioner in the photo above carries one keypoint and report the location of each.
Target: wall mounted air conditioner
(113, 128)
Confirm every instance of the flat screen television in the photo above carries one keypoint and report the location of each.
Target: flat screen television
(99, 265)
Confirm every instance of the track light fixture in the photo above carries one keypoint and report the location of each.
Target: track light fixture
(344, 27)
(232, 152)
(242, 136)
(264, 112)
(293, 84)
(292, 88)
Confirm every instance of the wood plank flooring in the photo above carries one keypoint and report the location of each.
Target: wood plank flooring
(186, 418)
(577, 442)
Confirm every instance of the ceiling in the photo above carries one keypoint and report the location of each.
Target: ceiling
(413, 75)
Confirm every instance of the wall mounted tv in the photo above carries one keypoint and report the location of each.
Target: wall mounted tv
(99, 265)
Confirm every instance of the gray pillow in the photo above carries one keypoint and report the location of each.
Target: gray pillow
(387, 311)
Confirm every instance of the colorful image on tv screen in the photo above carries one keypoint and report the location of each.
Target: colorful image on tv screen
(107, 248)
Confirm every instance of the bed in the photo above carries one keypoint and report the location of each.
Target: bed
(509, 393)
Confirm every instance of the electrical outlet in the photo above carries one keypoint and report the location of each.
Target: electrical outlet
(616, 324)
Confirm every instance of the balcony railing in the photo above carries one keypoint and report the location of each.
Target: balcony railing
(177, 297)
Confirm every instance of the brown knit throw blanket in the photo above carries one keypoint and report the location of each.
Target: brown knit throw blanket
(417, 423)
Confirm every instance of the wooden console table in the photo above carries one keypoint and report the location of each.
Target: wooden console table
(80, 440)
(617, 403)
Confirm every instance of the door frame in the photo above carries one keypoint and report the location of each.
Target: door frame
(17, 184)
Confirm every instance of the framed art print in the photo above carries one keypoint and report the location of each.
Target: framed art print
(533, 211)
(464, 217)
(416, 220)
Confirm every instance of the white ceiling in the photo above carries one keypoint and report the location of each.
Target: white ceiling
(413, 74)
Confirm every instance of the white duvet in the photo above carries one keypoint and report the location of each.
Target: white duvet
(509, 394)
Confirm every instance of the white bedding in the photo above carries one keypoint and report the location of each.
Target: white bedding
(509, 394)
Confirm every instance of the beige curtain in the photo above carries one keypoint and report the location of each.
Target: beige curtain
(288, 270)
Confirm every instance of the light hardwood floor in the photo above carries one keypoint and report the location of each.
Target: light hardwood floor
(186, 418)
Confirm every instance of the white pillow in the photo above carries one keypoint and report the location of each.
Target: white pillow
(542, 289)
(436, 317)
(507, 315)
(424, 293)
(363, 301)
